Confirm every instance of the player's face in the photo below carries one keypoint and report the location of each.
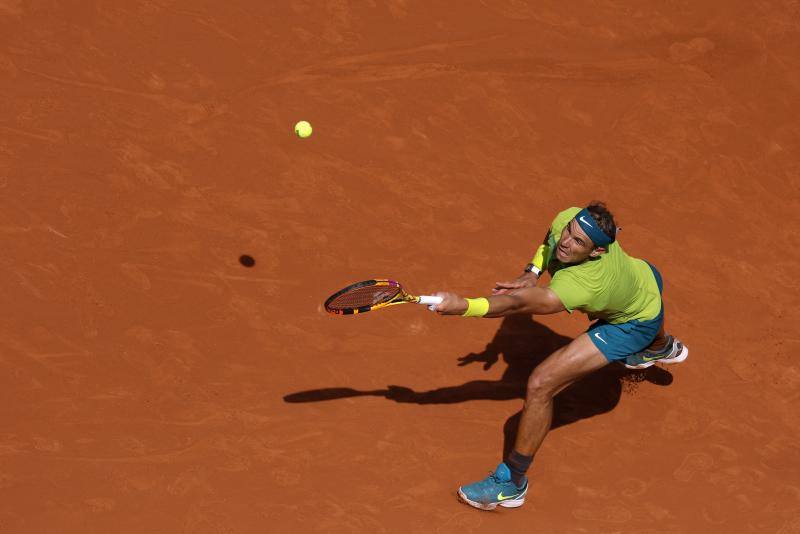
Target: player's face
(574, 245)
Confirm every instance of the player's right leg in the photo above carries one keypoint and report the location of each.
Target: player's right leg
(495, 490)
(508, 485)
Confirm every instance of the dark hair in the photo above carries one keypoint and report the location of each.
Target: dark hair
(603, 218)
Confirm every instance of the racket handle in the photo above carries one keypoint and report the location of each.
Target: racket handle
(428, 299)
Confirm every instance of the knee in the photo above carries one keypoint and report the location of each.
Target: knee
(541, 386)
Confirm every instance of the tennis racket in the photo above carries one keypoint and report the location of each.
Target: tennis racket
(370, 295)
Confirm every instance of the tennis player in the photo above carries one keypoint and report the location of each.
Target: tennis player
(590, 273)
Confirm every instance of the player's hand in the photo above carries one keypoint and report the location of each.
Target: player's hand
(502, 288)
(451, 304)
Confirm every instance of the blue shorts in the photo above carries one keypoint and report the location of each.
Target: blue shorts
(618, 341)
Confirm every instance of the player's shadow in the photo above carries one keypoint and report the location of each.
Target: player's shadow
(522, 343)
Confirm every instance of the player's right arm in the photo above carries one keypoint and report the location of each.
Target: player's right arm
(527, 279)
(533, 271)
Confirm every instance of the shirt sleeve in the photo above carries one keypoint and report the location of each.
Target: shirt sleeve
(569, 289)
(542, 256)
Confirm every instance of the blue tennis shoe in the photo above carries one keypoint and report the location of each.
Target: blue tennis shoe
(495, 490)
(673, 352)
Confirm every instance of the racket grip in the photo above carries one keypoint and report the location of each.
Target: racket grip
(429, 299)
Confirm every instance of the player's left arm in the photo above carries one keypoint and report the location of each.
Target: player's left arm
(529, 300)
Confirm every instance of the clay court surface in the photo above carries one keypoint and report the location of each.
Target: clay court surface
(151, 383)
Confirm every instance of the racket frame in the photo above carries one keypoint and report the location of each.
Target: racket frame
(401, 298)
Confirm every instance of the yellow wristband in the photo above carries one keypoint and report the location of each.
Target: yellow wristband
(477, 307)
(538, 258)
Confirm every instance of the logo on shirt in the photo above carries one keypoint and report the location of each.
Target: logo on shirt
(597, 335)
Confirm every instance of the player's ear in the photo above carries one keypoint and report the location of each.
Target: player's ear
(597, 251)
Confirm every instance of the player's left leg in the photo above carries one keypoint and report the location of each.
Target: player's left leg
(660, 341)
(663, 348)
(672, 351)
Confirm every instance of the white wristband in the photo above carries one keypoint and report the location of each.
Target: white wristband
(531, 268)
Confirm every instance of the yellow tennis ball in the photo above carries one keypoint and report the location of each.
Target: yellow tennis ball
(302, 129)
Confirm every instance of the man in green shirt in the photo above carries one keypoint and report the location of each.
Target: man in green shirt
(590, 273)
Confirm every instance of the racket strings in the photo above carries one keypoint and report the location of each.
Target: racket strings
(364, 296)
